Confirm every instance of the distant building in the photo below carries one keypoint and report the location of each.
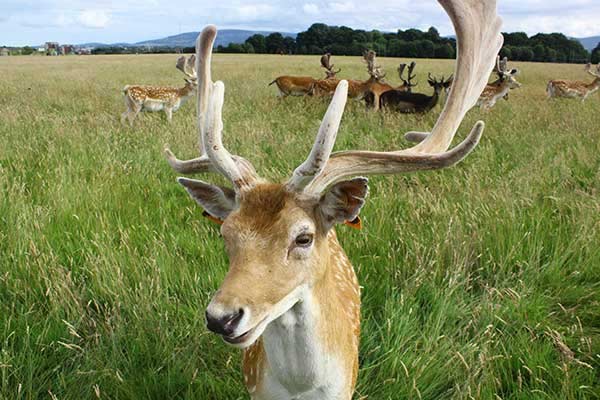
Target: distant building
(51, 48)
(4, 52)
(66, 49)
(84, 51)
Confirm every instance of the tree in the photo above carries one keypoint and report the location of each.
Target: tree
(444, 51)
(596, 54)
(258, 42)
(275, 43)
(27, 50)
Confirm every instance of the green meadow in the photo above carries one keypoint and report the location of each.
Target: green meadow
(481, 281)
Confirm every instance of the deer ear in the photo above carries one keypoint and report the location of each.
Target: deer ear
(216, 200)
(343, 201)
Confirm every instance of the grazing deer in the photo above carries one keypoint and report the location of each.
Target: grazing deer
(499, 88)
(575, 89)
(305, 85)
(410, 103)
(291, 298)
(156, 98)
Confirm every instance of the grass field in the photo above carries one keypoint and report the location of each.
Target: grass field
(479, 282)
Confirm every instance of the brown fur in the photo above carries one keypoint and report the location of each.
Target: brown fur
(258, 231)
(294, 85)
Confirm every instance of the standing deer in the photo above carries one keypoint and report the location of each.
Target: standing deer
(371, 89)
(499, 88)
(325, 87)
(575, 89)
(156, 98)
(409, 103)
(291, 298)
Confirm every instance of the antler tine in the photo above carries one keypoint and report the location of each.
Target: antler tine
(478, 36)
(411, 68)
(213, 155)
(186, 65)
(324, 142)
(401, 68)
(191, 66)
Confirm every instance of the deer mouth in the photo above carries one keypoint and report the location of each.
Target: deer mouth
(246, 336)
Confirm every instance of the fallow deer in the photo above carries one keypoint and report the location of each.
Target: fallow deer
(161, 98)
(575, 89)
(371, 89)
(409, 103)
(407, 85)
(499, 88)
(325, 87)
(291, 298)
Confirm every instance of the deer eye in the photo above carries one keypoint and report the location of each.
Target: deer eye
(304, 240)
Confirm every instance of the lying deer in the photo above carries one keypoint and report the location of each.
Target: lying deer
(406, 86)
(499, 89)
(575, 89)
(291, 298)
(161, 98)
(409, 103)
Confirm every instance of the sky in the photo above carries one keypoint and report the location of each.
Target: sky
(33, 22)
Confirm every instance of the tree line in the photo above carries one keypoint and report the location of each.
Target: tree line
(410, 43)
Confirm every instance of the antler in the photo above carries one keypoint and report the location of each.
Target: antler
(588, 69)
(374, 70)
(410, 76)
(501, 66)
(214, 157)
(325, 58)
(326, 63)
(478, 40)
(187, 65)
(401, 68)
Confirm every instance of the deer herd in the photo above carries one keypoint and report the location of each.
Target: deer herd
(291, 298)
(375, 91)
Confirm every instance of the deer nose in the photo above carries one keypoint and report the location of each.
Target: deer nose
(224, 325)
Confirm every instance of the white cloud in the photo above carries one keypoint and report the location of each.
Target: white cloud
(96, 19)
(253, 12)
(310, 8)
(345, 7)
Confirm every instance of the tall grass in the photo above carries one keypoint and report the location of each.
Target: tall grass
(480, 282)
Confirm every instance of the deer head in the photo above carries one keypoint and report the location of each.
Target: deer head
(594, 72)
(407, 82)
(187, 65)
(276, 235)
(505, 75)
(326, 63)
(439, 84)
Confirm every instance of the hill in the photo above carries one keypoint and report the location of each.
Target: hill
(589, 43)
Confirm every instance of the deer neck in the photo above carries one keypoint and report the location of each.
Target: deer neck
(186, 92)
(594, 85)
(313, 347)
(433, 100)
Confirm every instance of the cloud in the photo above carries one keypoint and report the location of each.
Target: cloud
(95, 19)
(253, 12)
(33, 21)
(310, 8)
(345, 7)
